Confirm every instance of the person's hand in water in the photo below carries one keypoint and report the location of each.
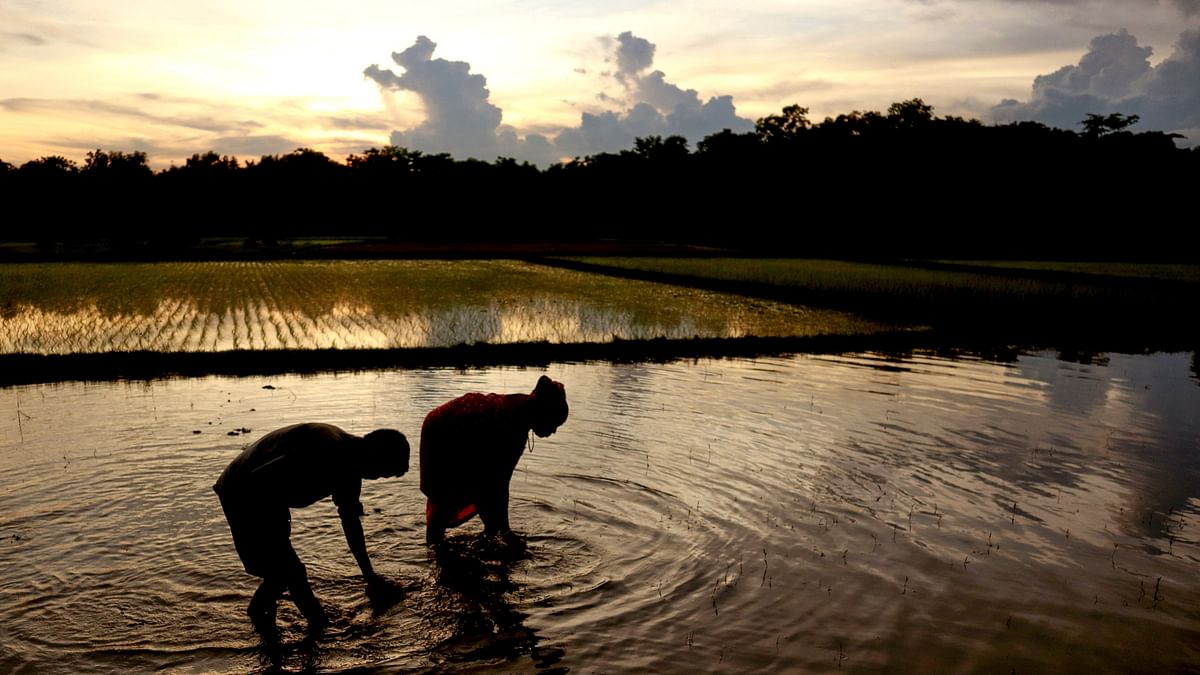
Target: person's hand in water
(382, 592)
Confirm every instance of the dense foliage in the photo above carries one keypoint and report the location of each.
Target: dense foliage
(865, 184)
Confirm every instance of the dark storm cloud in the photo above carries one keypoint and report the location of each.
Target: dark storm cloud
(461, 120)
(1115, 75)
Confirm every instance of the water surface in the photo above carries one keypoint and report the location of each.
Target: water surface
(861, 513)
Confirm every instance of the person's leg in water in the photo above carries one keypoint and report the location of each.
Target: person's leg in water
(263, 604)
(435, 526)
(296, 580)
(272, 557)
(290, 576)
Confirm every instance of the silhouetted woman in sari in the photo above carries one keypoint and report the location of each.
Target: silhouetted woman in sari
(469, 449)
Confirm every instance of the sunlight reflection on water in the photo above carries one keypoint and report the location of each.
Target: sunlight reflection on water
(180, 326)
(210, 307)
(865, 511)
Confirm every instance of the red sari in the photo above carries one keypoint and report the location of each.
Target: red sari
(469, 448)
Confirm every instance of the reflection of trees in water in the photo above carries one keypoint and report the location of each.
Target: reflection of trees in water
(1167, 402)
(1157, 439)
(1075, 381)
(476, 586)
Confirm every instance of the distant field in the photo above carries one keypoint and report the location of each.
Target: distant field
(62, 308)
(846, 278)
(1103, 306)
(899, 280)
(1160, 271)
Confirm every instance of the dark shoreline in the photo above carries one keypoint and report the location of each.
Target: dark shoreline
(21, 369)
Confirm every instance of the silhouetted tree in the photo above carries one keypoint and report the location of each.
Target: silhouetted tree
(117, 165)
(901, 183)
(672, 149)
(389, 161)
(786, 126)
(208, 164)
(1095, 125)
(50, 166)
(911, 114)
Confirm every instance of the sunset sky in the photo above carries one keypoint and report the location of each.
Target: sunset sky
(562, 78)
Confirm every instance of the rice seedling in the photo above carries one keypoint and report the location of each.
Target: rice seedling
(219, 306)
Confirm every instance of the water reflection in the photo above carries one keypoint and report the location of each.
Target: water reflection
(878, 512)
(208, 307)
(474, 576)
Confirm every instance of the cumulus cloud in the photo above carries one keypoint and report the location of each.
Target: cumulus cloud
(462, 120)
(1115, 75)
(459, 118)
(659, 107)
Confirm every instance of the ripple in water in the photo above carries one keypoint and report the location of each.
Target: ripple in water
(862, 512)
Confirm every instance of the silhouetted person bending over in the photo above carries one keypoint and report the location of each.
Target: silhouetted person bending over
(294, 467)
(469, 448)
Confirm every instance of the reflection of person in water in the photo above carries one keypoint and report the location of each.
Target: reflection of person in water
(469, 448)
(294, 467)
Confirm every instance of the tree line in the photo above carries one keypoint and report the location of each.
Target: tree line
(904, 182)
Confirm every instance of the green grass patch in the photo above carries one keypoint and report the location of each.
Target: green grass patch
(60, 308)
(1057, 302)
(849, 279)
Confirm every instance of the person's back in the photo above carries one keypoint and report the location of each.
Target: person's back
(294, 467)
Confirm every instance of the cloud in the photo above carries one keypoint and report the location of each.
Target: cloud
(1115, 75)
(256, 146)
(357, 123)
(461, 119)
(20, 39)
(1187, 7)
(634, 54)
(659, 107)
(94, 107)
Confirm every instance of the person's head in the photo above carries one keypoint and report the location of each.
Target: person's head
(549, 406)
(385, 454)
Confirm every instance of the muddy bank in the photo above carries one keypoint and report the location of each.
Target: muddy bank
(16, 369)
(36, 368)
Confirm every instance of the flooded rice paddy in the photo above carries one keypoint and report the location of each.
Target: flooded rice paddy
(221, 306)
(855, 513)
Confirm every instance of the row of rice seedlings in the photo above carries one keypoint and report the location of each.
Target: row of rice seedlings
(288, 305)
(178, 325)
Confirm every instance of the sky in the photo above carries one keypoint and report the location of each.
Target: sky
(547, 80)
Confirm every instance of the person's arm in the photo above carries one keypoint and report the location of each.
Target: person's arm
(350, 512)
